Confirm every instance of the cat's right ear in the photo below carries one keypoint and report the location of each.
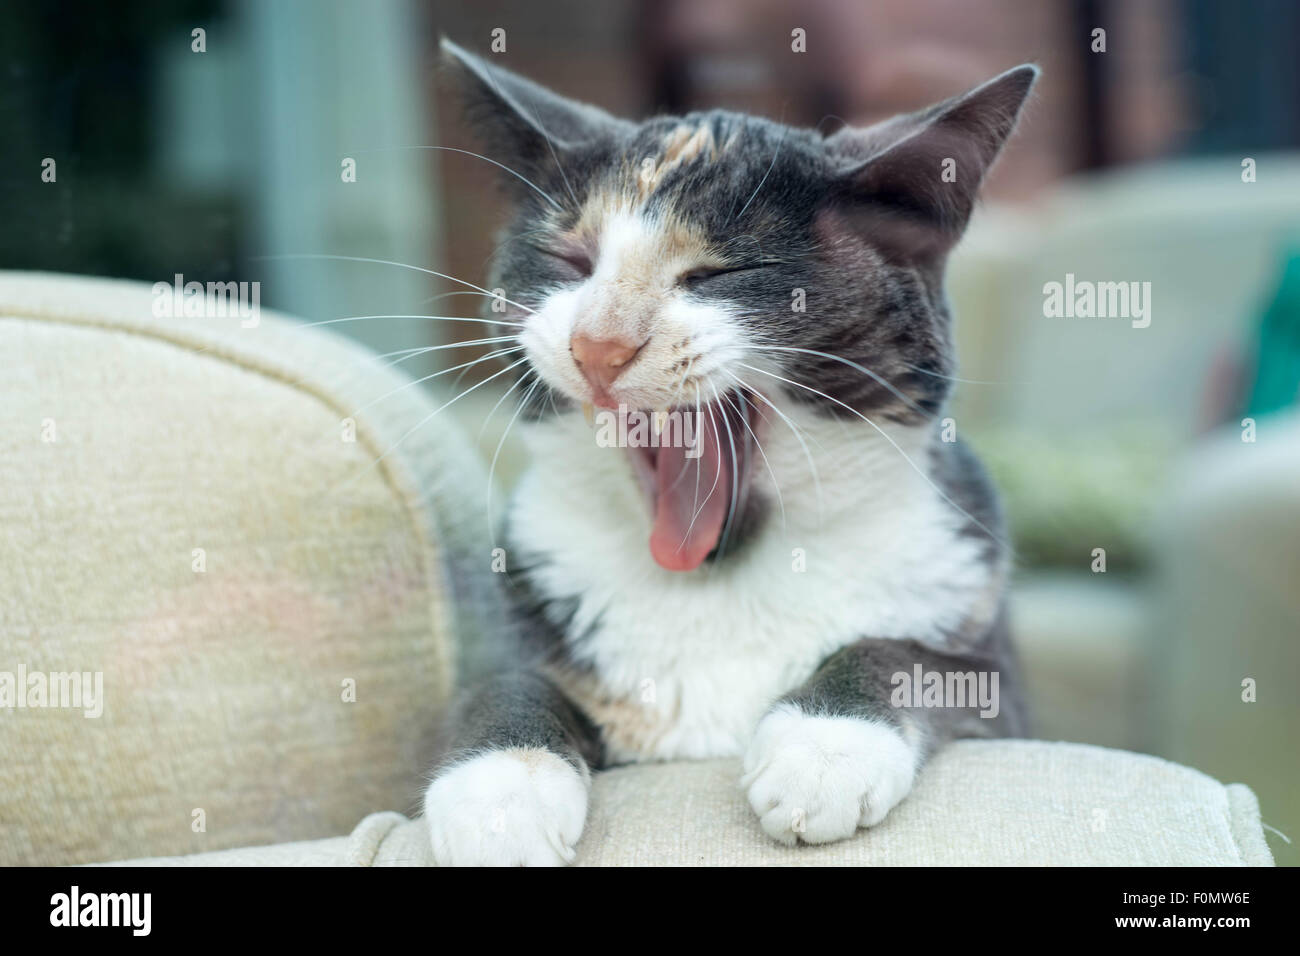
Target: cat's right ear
(520, 120)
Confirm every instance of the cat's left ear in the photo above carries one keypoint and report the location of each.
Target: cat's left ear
(913, 180)
(520, 119)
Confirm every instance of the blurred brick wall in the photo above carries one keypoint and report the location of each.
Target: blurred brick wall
(865, 61)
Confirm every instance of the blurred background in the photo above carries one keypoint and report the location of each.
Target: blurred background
(1164, 150)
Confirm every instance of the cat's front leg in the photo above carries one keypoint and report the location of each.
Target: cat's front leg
(512, 788)
(838, 754)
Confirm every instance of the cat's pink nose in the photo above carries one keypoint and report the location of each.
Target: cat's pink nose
(601, 361)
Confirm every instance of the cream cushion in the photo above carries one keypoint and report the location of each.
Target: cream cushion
(128, 441)
(179, 510)
(999, 803)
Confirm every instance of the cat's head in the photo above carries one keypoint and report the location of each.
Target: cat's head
(719, 267)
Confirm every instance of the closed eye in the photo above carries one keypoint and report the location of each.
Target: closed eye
(578, 262)
(698, 276)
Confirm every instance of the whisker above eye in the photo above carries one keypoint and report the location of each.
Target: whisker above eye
(775, 154)
(501, 246)
(487, 159)
(536, 121)
(400, 265)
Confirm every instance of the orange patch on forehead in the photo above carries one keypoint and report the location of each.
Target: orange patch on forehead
(667, 242)
(683, 145)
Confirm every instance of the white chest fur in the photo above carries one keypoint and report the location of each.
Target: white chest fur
(683, 665)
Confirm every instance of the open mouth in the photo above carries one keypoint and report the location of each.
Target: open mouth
(695, 470)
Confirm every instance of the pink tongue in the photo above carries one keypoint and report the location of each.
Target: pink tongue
(691, 496)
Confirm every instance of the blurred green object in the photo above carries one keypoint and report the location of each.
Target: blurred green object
(1277, 363)
(1067, 493)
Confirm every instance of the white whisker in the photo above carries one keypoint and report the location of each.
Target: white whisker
(735, 474)
(717, 475)
(963, 381)
(545, 135)
(487, 159)
(528, 395)
(422, 422)
(431, 318)
(499, 353)
(794, 429)
(685, 376)
(854, 365)
(522, 235)
(400, 265)
(770, 166)
(744, 420)
(885, 435)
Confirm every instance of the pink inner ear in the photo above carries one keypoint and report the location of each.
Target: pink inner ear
(910, 183)
(859, 238)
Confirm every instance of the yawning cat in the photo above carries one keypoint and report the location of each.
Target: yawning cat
(764, 586)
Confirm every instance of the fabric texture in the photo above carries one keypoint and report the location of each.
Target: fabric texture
(181, 512)
(1229, 613)
(996, 803)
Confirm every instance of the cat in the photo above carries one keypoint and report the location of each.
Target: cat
(765, 590)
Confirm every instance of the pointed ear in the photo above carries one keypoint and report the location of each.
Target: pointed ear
(912, 181)
(519, 118)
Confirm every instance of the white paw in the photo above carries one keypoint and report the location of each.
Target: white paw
(517, 807)
(817, 779)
